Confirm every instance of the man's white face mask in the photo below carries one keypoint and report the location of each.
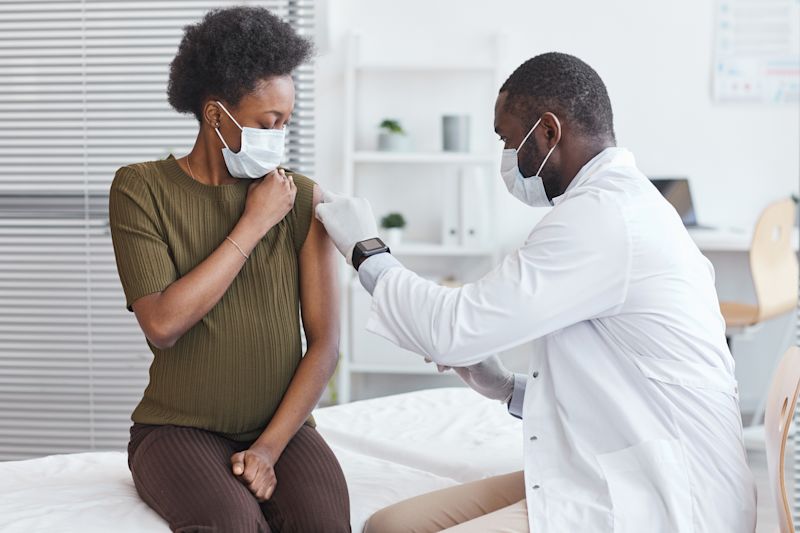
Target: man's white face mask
(260, 153)
(528, 190)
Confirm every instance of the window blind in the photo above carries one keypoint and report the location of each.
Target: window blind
(83, 92)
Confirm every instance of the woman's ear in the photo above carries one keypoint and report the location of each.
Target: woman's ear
(211, 114)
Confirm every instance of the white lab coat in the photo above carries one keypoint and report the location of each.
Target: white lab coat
(631, 417)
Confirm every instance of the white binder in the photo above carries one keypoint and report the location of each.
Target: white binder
(473, 216)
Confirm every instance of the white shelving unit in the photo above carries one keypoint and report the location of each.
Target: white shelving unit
(364, 353)
(440, 250)
(430, 158)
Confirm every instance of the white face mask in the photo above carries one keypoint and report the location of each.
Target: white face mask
(260, 153)
(527, 190)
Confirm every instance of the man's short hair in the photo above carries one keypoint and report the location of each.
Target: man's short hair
(565, 86)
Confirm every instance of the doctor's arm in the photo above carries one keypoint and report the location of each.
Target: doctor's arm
(573, 267)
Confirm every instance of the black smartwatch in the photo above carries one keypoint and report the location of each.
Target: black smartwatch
(368, 248)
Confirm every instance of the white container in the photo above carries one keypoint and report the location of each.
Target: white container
(455, 133)
(393, 142)
(394, 237)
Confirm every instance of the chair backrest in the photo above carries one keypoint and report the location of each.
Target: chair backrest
(773, 262)
(777, 419)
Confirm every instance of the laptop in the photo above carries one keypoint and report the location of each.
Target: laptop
(677, 193)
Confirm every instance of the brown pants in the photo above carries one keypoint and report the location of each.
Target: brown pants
(185, 475)
(492, 505)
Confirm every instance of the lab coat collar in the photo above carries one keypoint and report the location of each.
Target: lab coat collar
(610, 157)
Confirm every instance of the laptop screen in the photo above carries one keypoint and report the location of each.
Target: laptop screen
(676, 191)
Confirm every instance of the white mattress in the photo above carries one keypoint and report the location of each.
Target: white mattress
(390, 449)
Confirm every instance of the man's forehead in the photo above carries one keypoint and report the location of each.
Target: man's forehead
(504, 119)
(500, 102)
(499, 109)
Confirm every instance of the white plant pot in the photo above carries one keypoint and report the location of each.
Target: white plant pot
(394, 237)
(392, 142)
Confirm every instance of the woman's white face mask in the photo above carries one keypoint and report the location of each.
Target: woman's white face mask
(528, 190)
(261, 151)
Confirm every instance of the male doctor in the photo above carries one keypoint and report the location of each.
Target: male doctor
(630, 408)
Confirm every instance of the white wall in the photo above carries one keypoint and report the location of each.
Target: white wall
(655, 58)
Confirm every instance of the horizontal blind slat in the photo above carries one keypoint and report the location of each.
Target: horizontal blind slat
(88, 80)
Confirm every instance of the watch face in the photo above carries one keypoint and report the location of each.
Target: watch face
(371, 244)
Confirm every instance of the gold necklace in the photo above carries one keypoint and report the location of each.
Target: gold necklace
(190, 168)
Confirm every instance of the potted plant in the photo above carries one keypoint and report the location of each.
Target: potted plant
(392, 137)
(393, 225)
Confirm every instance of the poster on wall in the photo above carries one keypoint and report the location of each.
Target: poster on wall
(757, 51)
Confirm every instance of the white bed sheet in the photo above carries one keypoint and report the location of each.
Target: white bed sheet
(453, 432)
(390, 449)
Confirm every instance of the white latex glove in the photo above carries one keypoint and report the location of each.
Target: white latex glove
(489, 378)
(348, 220)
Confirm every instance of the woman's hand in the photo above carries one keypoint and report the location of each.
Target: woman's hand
(269, 199)
(255, 468)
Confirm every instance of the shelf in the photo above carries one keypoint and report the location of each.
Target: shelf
(439, 250)
(428, 370)
(423, 157)
(729, 239)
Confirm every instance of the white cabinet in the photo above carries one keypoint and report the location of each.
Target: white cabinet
(444, 196)
(372, 353)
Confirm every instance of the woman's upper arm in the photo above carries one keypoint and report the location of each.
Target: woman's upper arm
(142, 254)
(319, 291)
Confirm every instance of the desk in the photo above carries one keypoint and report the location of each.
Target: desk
(728, 239)
(757, 351)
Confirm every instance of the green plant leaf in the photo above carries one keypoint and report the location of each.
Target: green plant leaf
(393, 220)
(392, 125)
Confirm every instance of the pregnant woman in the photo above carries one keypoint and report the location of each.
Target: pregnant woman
(219, 254)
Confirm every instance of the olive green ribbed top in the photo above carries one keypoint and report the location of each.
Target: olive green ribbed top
(229, 372)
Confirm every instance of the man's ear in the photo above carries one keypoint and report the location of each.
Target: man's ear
(211, 113)
(552, 128)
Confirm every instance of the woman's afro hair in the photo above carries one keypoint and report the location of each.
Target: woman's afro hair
(228, 53)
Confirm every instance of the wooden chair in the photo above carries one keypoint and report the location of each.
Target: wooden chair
(773, 267)
(777, 419)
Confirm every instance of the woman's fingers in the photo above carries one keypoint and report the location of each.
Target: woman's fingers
(237, 460)
(250, 468)
(271, 488)
(259, 478)
(289, 179)
(257, 482)
(264, 485)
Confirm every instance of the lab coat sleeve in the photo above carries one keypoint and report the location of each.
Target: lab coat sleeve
(574, 266)
(373, 268)
(518, 396)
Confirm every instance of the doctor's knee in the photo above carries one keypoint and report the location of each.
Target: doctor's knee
(388, 520)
